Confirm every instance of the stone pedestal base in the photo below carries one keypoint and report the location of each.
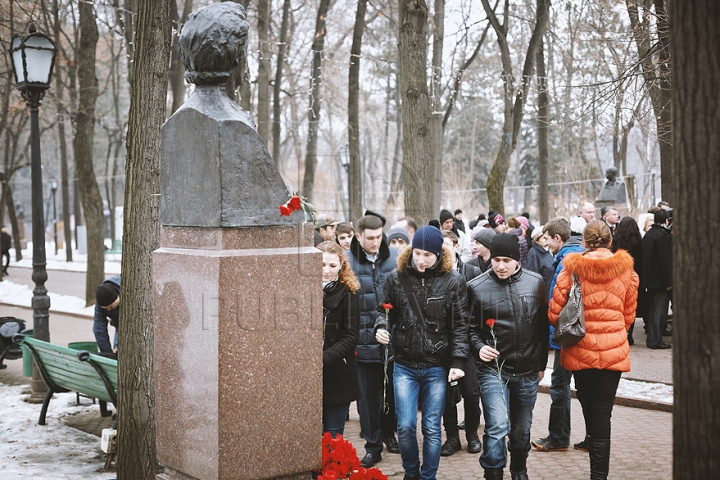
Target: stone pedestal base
(238, 353)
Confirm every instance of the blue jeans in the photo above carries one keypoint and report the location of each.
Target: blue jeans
(429, 385)
(511, 417)
(334, 417)
(559, 425)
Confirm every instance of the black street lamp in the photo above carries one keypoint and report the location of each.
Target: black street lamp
(33, 58)
(345, 162)
(53, 189)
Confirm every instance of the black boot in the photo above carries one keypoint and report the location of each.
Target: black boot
(493, 474)
(599, 458)
(518, 468)
(474, 444)
(451, 446)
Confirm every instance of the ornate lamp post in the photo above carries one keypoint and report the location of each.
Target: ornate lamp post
(33, 58)
(345, 162)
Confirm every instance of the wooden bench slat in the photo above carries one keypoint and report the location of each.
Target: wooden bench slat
(62, 367)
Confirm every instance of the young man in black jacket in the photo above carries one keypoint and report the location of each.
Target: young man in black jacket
(372, 260)
(429, 334)
(508, 339)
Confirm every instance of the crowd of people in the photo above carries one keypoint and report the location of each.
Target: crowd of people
(421, 318)
(418, 319)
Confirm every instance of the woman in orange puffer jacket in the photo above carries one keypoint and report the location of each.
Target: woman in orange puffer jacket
(609, 290)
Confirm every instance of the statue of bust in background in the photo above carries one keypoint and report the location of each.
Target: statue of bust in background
(614, 190)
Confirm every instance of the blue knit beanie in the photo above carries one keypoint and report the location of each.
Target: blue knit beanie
(428, 238)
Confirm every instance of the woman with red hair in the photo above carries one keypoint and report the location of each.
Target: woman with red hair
(609, 287)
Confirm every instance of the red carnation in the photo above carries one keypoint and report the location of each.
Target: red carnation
(387, 306)
(490, 322)
(285, 211)
(295, 202)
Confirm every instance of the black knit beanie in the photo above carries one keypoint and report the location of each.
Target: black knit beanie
(445, 215)
(105, 295)
(505, 245)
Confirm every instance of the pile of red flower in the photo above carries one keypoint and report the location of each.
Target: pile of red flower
(340, 462)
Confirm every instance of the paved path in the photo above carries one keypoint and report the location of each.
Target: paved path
(642, 439)
(641, 449)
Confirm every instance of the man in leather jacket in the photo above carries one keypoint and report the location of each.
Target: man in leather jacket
(508, 340)
(427, 343)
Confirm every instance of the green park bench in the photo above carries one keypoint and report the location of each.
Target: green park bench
(67, 370)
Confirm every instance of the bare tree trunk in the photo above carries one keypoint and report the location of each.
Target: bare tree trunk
(418, 143)
(263, 81)
(436, 98)
(83, 152)
(696, 304)
(654, 59)
(543, 126)
(62, 141)
(137, 455)
(513, 111)
(314, 113)
(177, 72)
(355, 172)
(277, 105)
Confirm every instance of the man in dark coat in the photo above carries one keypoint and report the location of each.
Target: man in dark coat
(429, 334)
(657, 278)
(508, 340)
(372, 260)
(6, 241)
(107, 308)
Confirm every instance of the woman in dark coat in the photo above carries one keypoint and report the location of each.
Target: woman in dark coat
(627, 237)
(341, 314)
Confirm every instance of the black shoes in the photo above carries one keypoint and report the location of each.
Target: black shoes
(547, 445)
(391, 445)
(474, 444)
(461, 425)
(370, 460)
(583, 446)
(518, 468)
(662, 346)
(451, 447)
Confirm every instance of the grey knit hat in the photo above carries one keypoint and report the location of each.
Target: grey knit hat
(484, 236)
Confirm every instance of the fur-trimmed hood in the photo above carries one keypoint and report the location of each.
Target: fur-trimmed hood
(445, 264)
(598, 266)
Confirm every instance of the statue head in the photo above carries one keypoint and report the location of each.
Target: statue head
(611, 174)
(212, 42)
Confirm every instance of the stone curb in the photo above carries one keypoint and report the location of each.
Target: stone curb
(67, 314)
(626, 401)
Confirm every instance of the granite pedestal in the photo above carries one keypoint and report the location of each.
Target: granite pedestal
(238, 353)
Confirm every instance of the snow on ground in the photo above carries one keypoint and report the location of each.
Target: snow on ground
(21, 295)
(647, 391)
(57, 262)
(46, 452)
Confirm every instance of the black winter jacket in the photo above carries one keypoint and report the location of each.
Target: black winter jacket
(541, 261)
(657, 268)
(6, 242)
(442, 294)
(341, 313)
(467, 270)
(519, 307)
(372, 278)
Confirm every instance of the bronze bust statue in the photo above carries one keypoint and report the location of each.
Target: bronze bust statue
(614, 190)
